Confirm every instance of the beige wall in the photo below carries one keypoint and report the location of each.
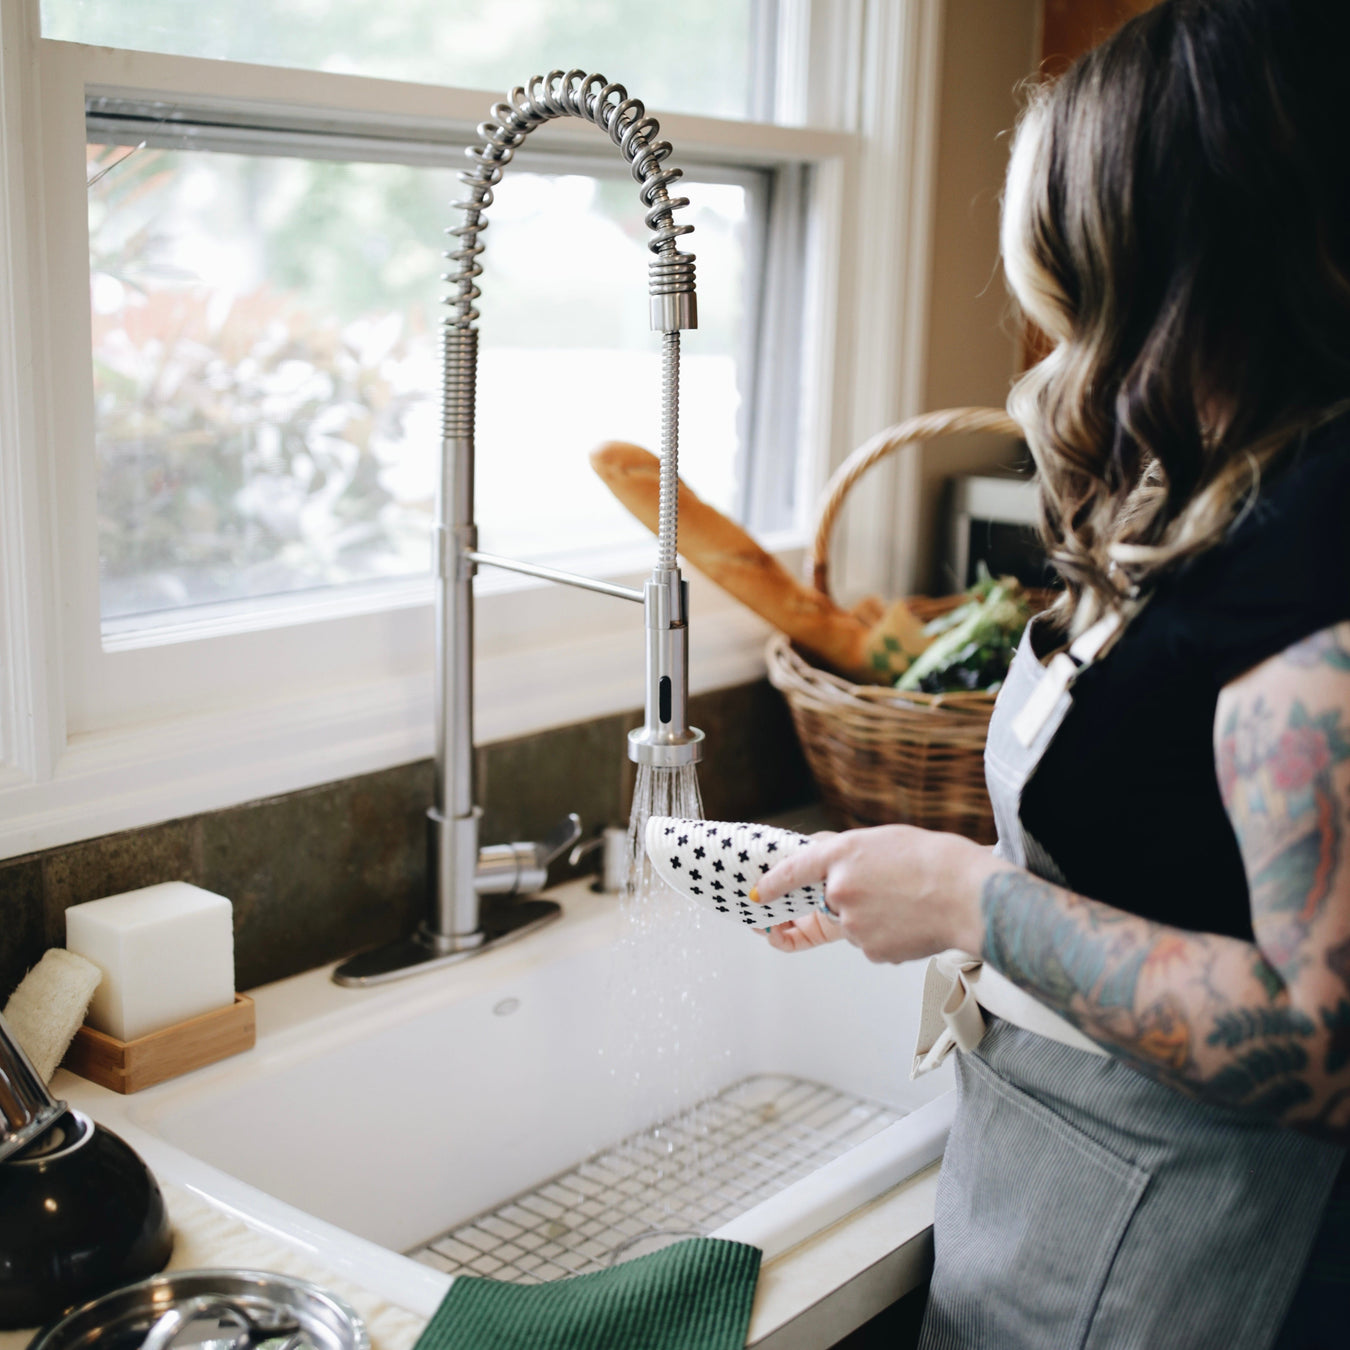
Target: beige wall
(988, 47)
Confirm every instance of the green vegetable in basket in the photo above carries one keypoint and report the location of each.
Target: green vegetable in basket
(973, 645)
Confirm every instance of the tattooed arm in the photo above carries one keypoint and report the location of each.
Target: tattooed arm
(1261, 1026)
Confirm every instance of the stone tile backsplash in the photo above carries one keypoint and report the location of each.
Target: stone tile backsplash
(317, 874)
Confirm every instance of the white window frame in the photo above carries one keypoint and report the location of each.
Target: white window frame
(97, 736)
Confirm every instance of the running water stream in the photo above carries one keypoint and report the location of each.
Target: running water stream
(657, 792)
(665, 1028)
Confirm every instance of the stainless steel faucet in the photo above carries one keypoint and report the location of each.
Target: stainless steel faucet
(461, 872)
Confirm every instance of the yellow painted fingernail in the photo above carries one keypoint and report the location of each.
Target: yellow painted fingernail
(754, 894)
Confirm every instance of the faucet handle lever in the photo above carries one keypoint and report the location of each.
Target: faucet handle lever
(520, 869)
(559, 839)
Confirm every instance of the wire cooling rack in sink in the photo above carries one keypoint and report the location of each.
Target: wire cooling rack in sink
(681, 1178)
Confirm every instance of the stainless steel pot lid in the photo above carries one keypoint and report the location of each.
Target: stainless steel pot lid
(211, 1310)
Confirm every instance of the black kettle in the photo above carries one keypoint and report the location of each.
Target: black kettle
(80, 1213)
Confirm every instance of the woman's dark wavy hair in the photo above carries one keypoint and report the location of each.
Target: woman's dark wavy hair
(1177, 220)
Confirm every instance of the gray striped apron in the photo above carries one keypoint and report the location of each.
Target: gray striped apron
(1081, 1204)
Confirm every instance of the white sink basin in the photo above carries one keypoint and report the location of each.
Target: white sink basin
(366, 1122)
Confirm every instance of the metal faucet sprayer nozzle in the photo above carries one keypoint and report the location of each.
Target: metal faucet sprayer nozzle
(666, 739)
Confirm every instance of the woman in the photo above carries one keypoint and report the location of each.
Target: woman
(1173, 870)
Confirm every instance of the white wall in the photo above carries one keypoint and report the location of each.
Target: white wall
(989, 47)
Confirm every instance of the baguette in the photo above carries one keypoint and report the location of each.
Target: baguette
(727, 555)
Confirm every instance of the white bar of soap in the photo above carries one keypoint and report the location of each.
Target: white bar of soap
(166, 953)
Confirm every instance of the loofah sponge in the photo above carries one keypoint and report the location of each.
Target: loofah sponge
(47, 1008)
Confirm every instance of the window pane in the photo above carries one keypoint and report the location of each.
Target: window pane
(267, 380)
(695, 60)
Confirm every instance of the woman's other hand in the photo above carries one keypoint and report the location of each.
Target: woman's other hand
(798, 935)
(897, 892)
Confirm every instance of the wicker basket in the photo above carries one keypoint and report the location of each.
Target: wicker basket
(880, 756)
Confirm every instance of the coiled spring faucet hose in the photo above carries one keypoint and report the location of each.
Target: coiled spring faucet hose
(665, 739)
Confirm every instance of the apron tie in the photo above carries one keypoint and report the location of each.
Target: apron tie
(956, 986)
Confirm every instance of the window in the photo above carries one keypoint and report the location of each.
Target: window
(266, 368)
(711, 61)
(217, 326)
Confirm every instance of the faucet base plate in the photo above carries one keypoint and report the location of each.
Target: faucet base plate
(502, 922)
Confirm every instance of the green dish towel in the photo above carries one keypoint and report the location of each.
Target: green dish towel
(693, 1295)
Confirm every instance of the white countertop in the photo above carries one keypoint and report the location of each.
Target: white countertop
(208, 1237)
(809, 1297)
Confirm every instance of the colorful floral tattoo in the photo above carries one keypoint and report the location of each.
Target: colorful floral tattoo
(1263, 1027)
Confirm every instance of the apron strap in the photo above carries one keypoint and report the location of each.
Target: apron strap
(1060, 674)
(956, 984)
(955, 987)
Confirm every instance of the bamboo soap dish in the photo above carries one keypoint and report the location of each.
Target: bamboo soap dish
(129, 1066)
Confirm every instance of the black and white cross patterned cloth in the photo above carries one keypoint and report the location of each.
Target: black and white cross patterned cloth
(716, 862)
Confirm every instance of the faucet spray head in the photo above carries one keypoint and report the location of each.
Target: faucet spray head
(666, 739)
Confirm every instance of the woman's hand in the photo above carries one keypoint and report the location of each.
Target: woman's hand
(898, 892)
(812, 930)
